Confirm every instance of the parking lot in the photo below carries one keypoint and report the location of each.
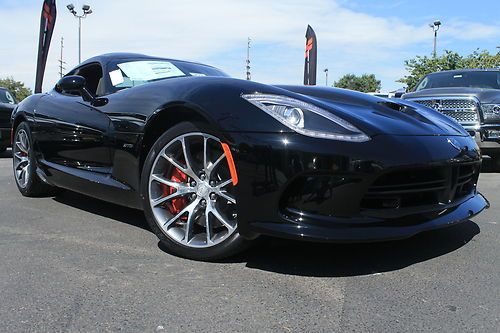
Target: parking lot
(73, 263)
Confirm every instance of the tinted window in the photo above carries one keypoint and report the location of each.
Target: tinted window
(479, 79)
(6, 97)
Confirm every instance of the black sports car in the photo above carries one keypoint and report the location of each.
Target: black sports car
(7, 105)
(215, 162)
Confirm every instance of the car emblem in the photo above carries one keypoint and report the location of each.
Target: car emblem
(437, 106)
(454, 143)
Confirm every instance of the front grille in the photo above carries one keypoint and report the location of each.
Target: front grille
(464, 110)
(421, 186)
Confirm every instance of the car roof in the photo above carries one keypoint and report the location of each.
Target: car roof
(468, 70)
(108, 57)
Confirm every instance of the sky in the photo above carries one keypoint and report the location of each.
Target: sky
(356, 36)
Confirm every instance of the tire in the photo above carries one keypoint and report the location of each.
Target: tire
(495, 163)
(188, 236)
(24, 165)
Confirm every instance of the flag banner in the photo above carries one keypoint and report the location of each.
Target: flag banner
(311, 61)
(47, 23)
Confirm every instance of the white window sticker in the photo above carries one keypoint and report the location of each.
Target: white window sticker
(116, 77)
(149, 70)
(197, 74)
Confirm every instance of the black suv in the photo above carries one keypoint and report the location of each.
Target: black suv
(7, 105)
(471, 97)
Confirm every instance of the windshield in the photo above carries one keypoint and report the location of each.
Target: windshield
(468, 79)
(135, 73)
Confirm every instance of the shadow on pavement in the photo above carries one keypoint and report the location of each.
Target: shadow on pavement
(312, 259)
(130, 216)
(336, 260)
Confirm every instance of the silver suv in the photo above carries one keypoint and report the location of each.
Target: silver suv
(471, 97)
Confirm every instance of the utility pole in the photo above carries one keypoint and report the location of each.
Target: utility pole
(435, 27)
(249, 75)
(326, 76)
(61, 61)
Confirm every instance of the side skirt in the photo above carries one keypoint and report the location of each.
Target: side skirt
(94, 184)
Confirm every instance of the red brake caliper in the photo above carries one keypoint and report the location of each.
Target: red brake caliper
(177, 204)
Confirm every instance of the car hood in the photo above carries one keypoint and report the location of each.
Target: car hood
(374, 115)
(7, 107)
(484, 95)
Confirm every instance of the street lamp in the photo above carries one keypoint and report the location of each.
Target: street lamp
(86, 11)
(326, 76)
(435, 27)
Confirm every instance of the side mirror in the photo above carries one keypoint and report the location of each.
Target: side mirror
(76, 83)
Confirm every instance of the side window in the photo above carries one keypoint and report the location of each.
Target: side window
(93, 75)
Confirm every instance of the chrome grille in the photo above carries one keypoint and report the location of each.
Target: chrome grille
(464, 110)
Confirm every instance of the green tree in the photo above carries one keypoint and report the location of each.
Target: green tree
(363, 83)
(420, 66)
(17, 88)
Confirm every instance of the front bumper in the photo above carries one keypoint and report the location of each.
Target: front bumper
(487, 138)
(304, 188)
(4, 137)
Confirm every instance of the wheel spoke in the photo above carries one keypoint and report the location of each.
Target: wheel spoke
(205, 153)
(208, 227)
(221, 218)
(174, 162)
(224, 184)
(188, 209)
(168, 182)
(24, 141)
(21, 148)
(227, 196)
(159, 201)
(187, 170)
(21, 166)
(187, 156)
(211, 167)
(189, 225)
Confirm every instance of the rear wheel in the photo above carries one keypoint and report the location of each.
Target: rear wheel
(24, 165)
(189, 196)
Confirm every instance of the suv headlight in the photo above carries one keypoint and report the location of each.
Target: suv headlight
(491, 111)
(306, 119)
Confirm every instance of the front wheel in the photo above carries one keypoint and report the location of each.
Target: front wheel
(24, 165)
(189, 196)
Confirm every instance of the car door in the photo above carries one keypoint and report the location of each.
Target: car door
(71, 132)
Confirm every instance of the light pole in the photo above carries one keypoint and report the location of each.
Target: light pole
(326, 76)
(435, 27)
(86, 11)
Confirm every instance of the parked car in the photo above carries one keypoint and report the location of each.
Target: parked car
(471, 97)
(7, 105)
(215, 162)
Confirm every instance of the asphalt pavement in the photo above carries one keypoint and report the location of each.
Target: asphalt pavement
(76, 264)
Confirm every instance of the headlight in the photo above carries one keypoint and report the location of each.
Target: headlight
(491, 111)
(306, 119)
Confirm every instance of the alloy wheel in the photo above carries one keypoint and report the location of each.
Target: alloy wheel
(191, 193)
(21, 152)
